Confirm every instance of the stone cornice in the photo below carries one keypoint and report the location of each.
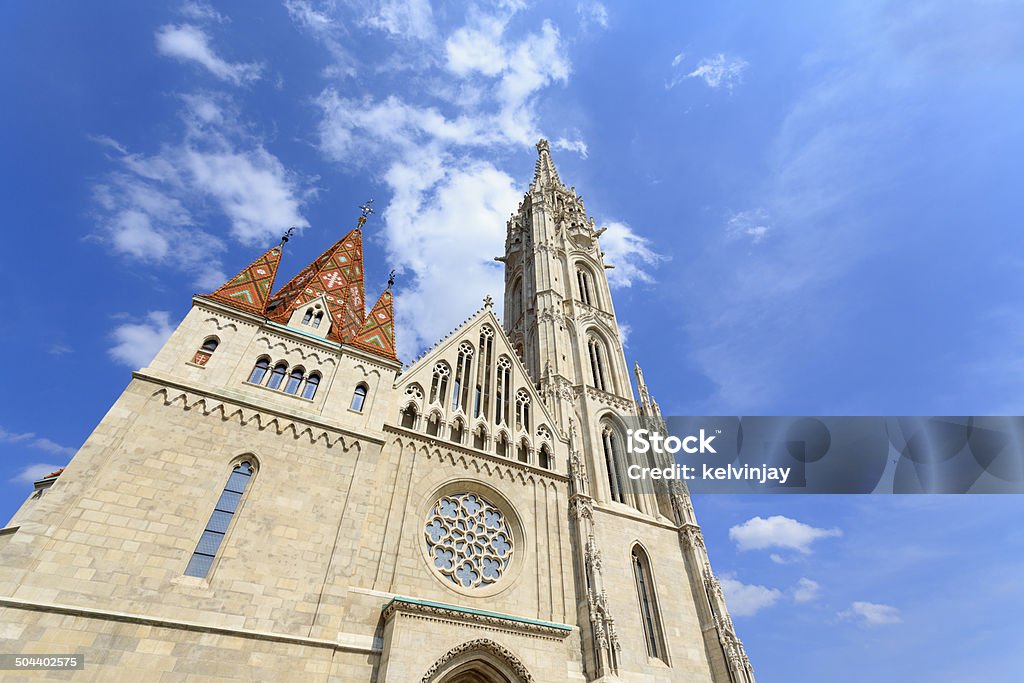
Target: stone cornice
(474, 453)
(258, 407)
(436, 611)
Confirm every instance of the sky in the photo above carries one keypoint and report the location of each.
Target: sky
(813, 209)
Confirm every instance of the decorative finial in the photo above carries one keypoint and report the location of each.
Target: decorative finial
(488, 302)
(287, 235)
(391, 278)
(543, 146)
(367, 209)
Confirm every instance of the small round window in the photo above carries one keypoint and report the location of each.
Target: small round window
(468, 540)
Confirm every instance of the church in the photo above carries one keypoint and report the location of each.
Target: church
(276, 498)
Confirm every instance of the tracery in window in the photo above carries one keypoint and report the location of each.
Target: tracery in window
(598, 363)
(482, 391)
(586, 286)
(522, 410)
(611, 448)
(649, 614)
(504, 389)
(468, 540)
(460, 395)
(439, 383)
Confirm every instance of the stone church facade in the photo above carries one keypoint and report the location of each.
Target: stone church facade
(276, 498)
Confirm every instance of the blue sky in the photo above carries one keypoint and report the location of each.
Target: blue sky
(814, 208)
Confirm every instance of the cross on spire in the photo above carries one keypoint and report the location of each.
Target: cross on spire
(367, 209)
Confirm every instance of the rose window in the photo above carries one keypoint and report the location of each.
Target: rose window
(468, 540)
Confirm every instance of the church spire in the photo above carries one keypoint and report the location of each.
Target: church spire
(250, 289)
(545, 173)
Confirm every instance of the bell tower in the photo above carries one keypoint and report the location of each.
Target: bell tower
(645, 590)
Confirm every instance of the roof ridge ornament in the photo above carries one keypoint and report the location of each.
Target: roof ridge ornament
(367, 209)
(288, 234)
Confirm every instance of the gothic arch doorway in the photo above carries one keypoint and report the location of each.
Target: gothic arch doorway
(478, 661)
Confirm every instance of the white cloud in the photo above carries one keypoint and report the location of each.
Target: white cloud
(405, 18)
(318, 22)
(136, 343)
(778, 532)
(872, 614)
(190, 43)
(577, 146)
(592, 13)
(746, 600)
(720, 70)
(716, 71)
(151, 207)
(806, 590)
(751, 225)
(31, 440)
(59, 349)
(34, 473)
(630, 253)
(201, 11)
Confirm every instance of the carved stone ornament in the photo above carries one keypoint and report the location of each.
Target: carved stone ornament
(480, 645)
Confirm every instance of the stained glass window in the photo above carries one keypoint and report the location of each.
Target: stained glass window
(468, 540)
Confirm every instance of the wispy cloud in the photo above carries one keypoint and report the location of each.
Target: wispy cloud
(718, 71)
(872, 614)
(806, 590)
(777, 531)
(750, 225)
(31, 440)
(34, 473)
(201, 11)
(190, 43)
(632, 255)
(746, 600)
(59, 349)
(136, 343)
(591, 14)
(151, 206)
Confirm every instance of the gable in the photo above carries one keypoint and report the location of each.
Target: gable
(476, 360)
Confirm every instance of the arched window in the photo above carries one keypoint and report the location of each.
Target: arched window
(598, 363)
(434, 424)
(501, 447)
(204, 352)
(308, 317)
(649, 613)
(457, 432)
(460, 396)
(439, 383)
(522, 410)
(312, 382)
(217, 527)
(516, 302)
(409, 417)
(359, 398)
(504, 389)
(294, 381)
(610, 445)
(318, 318)
(259, 371)
(545, 457)
(482, 392)
(277, 376)
(586, 284)
(480, 438)
(524, 451)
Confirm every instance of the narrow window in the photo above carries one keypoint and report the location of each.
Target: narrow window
(312, 382)
(545, 457)
(294, 381)
(522, 410)
(259, 371)
(460, 396)
(358, 398)
(502, 446)
(611, 460)
(318, 318)
(309, 316)
(648, 604)
(483, 372)
(524, 451)
(219, 522)
(277, 376)
(457, 432)
(434, 425)
(203, 353)
(504, 389)
(409, 417)
(598, 358)
(479, 438)
(439, 384)
(210, 345)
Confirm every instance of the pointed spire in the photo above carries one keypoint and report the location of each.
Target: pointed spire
(646, 407)
(337, 275)
(250, 289)
(545, 173)
(377, 333)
